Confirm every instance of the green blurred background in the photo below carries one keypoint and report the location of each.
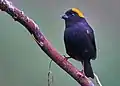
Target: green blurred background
(23, 63)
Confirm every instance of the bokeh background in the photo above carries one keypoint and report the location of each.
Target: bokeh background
(23, 63)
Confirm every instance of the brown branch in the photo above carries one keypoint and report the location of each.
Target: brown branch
(45, 45)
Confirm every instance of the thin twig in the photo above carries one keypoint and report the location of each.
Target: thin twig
(97, 80)
(50, 76)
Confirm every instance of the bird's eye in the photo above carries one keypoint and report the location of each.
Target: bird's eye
(73, 14)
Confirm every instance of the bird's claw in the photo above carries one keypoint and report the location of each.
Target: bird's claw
(66, 58)
(83, 72)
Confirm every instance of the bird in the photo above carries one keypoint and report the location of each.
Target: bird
(79, 39)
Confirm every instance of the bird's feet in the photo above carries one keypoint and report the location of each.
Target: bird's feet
(66, 57)
(83, 72)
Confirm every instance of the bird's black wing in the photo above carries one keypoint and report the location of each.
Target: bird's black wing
(90, 34)
(74, 38)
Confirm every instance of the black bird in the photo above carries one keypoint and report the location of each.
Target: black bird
(79, 39)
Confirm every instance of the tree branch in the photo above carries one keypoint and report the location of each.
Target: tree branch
(45, 45)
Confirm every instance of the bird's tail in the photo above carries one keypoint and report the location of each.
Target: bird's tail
(88, 69)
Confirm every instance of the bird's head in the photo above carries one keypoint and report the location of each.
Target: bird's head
(73, 14)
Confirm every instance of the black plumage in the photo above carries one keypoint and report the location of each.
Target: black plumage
(79, 39)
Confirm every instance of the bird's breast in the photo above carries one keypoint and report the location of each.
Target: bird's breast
(77, 41)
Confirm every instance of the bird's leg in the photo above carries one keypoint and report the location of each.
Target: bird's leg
(82, 67)
(66, 57)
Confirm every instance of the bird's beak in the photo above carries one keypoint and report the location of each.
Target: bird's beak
(64, 16)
